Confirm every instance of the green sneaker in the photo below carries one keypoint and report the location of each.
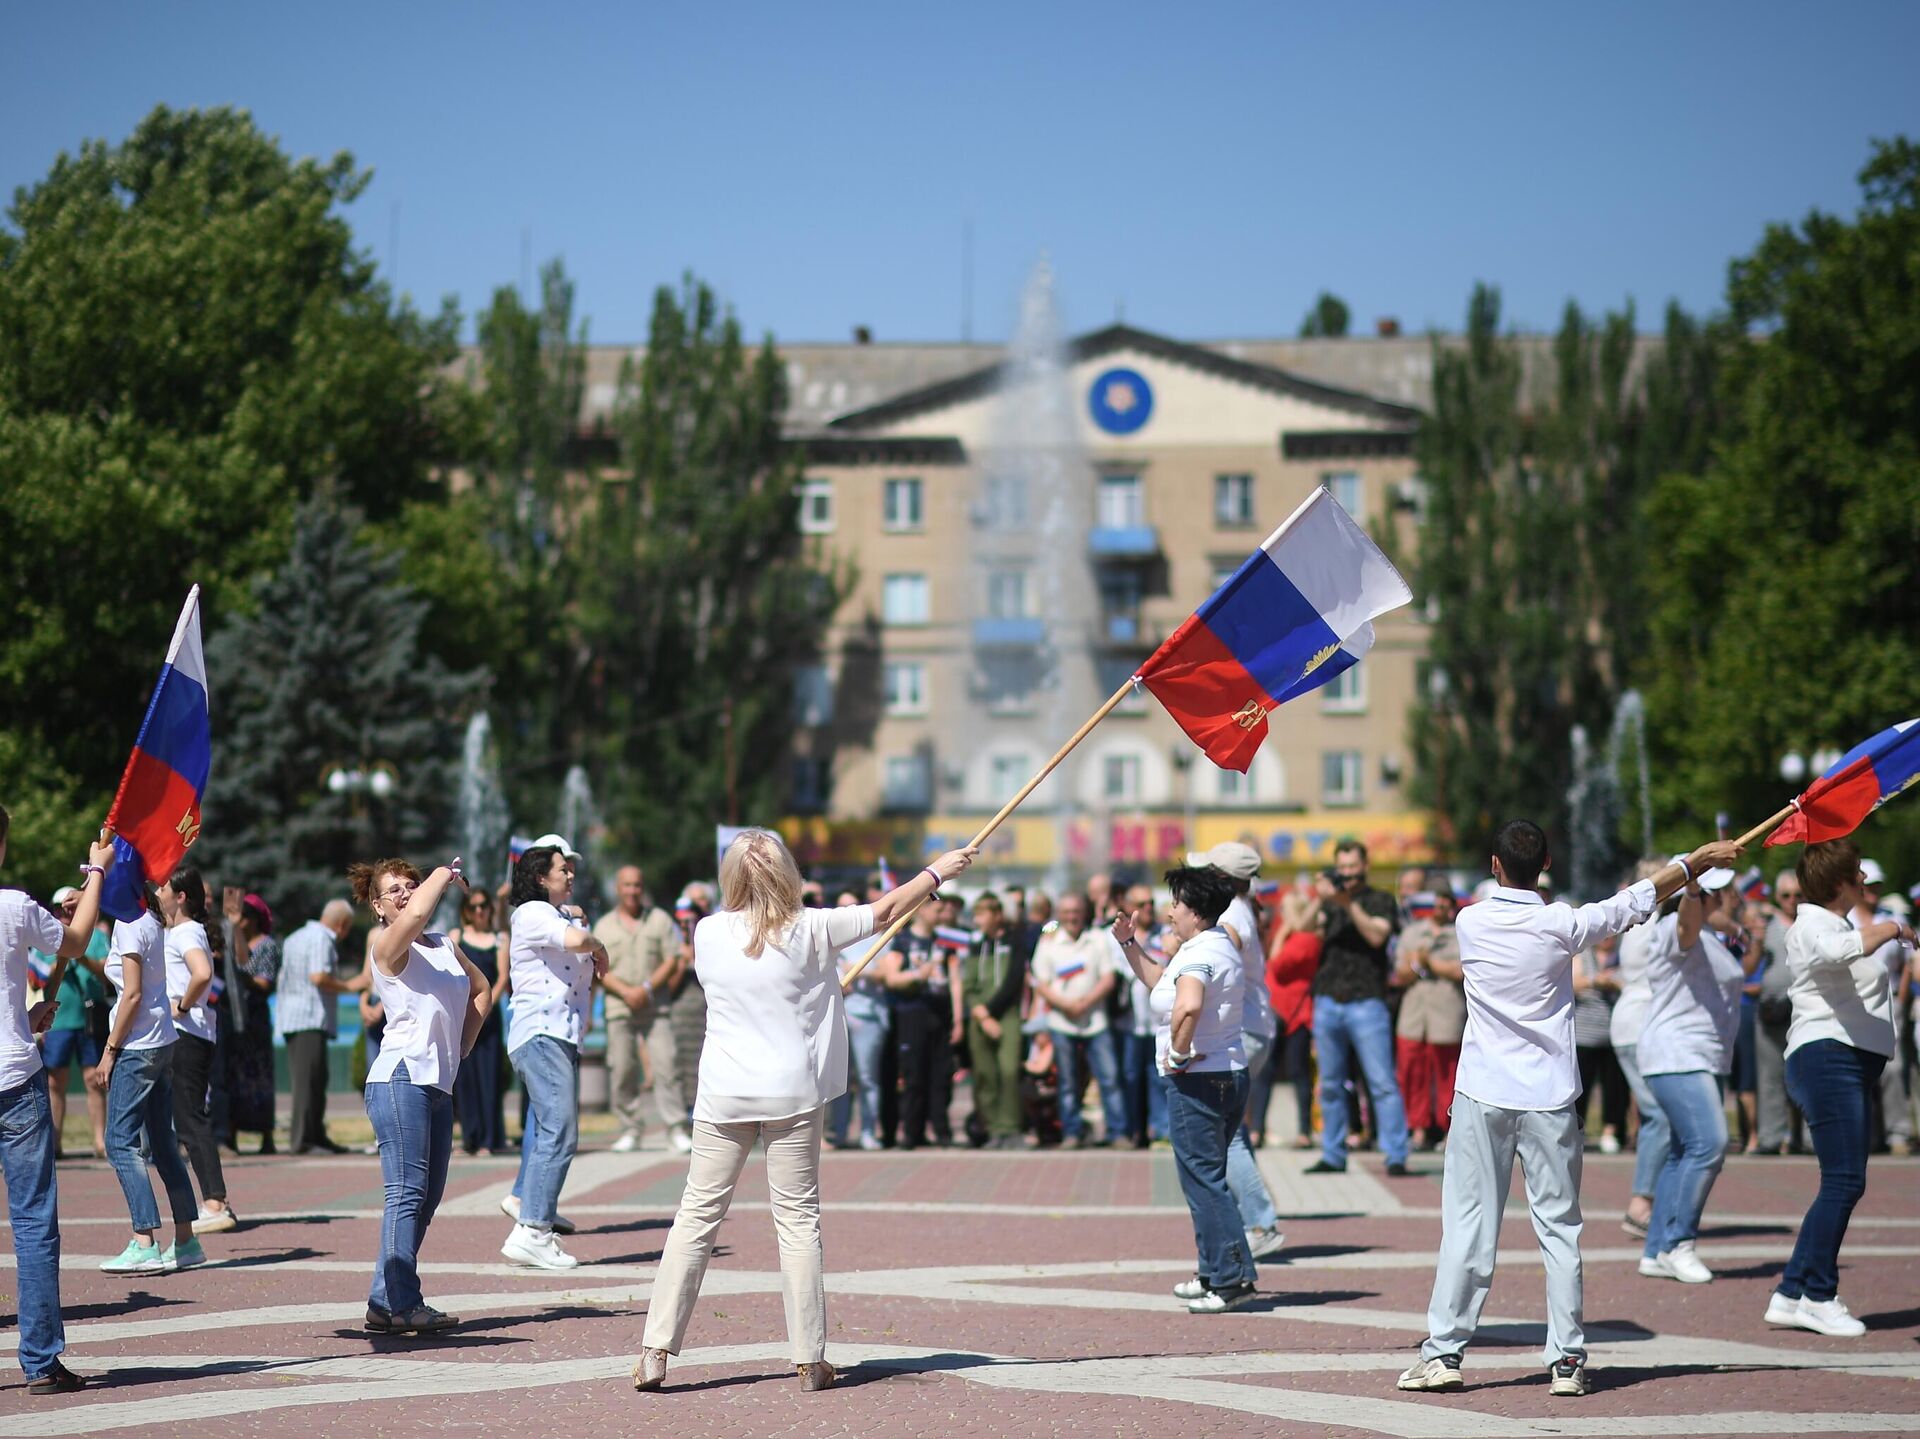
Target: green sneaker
(136, 1258)
(184, 1256)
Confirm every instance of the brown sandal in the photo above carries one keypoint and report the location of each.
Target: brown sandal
(650, 1369)
(816, 1376)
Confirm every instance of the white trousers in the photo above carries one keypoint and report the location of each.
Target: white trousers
(1481, 1145)
(793, 1184)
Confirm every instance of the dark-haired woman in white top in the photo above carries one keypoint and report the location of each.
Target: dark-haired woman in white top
(435, 1003)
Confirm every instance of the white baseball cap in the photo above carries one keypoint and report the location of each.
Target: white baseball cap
(1708, 879)
(1871, 875)
(556, 842)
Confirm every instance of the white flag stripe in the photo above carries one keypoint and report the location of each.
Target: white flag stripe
(1335, 565)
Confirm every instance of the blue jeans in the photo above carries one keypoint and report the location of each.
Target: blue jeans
(866, 1046)
(1203, 1111)
(1244, 1179)
(1697, 1112)
(1144, 1085)
(1834, 1085)
(1363, 1028)
(1656, 1135)
(550, 1069)
(1095, 1051)
(140, 1098)
(414, 1125)
(26, 1154)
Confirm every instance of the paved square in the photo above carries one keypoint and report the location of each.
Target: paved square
(968, 1294)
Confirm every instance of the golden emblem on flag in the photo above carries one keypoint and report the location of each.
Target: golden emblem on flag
(1250, 714)
(188, 829)
(1319, 659)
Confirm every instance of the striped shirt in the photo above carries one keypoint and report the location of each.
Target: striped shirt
(309, 950)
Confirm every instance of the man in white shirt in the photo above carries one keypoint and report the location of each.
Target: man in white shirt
(307, 1019)
(1896, 1110)
(1074, 970)
(1515, 1093)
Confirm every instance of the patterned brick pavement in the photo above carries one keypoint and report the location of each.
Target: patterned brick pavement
(968, 1294)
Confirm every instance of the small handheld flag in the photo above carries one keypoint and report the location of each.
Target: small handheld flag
(951, 939)
(40, 966)
(1867, 776)
(885, 872)
(156, 813)
(1287, 621)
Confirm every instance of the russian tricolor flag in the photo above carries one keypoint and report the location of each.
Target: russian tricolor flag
(1867, 776)
(1296, 614)
(156, 813)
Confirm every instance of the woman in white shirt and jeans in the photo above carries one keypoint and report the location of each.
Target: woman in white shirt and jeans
(775, 1057)
(1684, 1053)
(1197, 1001)
(435, 1002)
(1840, 1039)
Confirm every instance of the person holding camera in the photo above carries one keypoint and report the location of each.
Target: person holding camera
(1350, 1017)
(1514, 1096)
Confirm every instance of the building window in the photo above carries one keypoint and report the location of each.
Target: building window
(1232, 787)
(1346, 692)
(1340, 777)
(809, 784)
(906, 778)
(816, 507)
(812, 697)
(1117, 670)
(906, 687)
(1003, 506)
(1007, 594)
(1120, 507)
(901, 507)
(1120, 594)
(1224, 570)
(1345, 485)
(903, 600)
(1005, 775)
(1120, 778)
(1233, 501)
(1006, 683)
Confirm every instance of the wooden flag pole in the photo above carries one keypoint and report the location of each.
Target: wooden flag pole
(1006, 809)
(1767, 826)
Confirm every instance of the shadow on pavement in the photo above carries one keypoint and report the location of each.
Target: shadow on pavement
(138, 1300)
(1317, 1251)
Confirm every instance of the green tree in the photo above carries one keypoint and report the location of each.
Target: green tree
(1786, 597)
(189, 342)
(328, 671)
(1327, 319)
(1534, 551)
(700, 595)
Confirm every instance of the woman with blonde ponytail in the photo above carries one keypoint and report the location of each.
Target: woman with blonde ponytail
(775, 1057)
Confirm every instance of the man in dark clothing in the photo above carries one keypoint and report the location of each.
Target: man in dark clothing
(992, 977)
(1350, 1017)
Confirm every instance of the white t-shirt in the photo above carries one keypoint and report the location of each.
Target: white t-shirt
(1630, 1010)
(1075, 967)
(1211, 958)
(24, 925)
(776, 1042)
(1517, 954)
(1257, 1006)
(552, 986)
(152, 1026)
(1838, 990)
(1695, 1009)
(426, 1008)
(182, 939)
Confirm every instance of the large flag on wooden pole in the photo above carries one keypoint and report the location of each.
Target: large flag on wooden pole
(1296, 614)
(156, 812)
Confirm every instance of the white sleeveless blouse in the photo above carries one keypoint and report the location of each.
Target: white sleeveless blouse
(426, 1006)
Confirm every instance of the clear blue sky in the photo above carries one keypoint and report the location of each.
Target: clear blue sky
(1208, 168)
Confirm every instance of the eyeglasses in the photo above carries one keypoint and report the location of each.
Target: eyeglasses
(398, 891)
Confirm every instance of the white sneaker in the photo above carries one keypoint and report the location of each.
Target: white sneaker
(1188, 1289)
(1430, 1374)
(1686, 1265)
(867, 1141)
(1264, 1243)
(510, 1206)
(626, 1143)
(683, 1139)
(1609, 1144)
(1782, 1310)
(538, 1248)
(1828, 1316)
(1655, 1268)
(215, 1221)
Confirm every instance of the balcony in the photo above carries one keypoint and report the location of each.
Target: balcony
(1127, 542)
(1124, 630)
(1009, 634)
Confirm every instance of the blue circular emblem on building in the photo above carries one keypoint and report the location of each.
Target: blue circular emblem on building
(1121, 401)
